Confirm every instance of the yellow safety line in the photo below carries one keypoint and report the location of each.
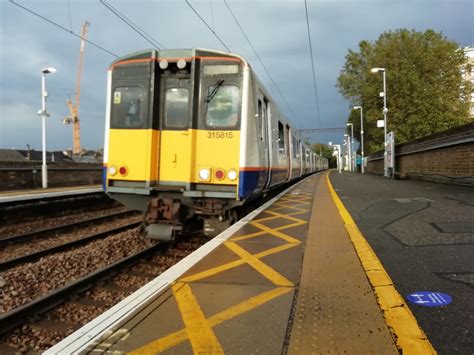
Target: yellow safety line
(198, 329)
(272, 275)
(409, 337)
(215, 270)
(178, 337)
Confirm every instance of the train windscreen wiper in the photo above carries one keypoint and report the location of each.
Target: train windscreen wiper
(214, 91)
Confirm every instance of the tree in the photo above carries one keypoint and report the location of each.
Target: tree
(425, 90)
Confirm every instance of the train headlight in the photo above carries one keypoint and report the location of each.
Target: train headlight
(232, 175)
(204, 174)
(163, 64)
(113, 170)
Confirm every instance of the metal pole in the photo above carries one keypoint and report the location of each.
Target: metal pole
(362, 139)
(385, 125)
(352, 149)
(44, 168)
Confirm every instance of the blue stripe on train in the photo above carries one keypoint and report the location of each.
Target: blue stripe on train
(248, 182)
(104, 178)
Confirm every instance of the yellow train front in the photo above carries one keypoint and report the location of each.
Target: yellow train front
(191, 136)
(173, 137)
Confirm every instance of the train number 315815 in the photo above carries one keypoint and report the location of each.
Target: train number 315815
(218, 134)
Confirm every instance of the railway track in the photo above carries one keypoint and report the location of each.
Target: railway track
(31, 257)
(40, 316)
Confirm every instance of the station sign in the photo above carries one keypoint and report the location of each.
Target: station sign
(430, 298)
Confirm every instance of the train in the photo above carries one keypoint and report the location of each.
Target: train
(192, 136)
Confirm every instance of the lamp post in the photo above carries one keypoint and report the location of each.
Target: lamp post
(337, 149)
(352, 146)
(43, 113)
(362, 169)
(347, 141)
(385, 110)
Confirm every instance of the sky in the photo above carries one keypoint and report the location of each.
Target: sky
(276, 28)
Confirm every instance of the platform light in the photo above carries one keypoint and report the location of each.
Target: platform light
(43, 113)
(385, 110)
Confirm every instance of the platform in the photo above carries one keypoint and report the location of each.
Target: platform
(286, 278)
(35, 194)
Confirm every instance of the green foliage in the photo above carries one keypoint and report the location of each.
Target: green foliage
(425, 90)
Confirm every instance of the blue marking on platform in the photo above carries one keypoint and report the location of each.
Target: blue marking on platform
(429, 298)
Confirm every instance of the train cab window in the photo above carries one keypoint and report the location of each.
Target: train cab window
(222, 106)
(260, 119)
(176, 108)
(128, 107)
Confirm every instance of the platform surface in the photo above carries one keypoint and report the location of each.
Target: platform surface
(33, 194)
(288, 281)
(423, 233)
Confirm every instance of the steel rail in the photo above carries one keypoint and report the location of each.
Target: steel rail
(53, 231)
(23, 313)
(59, 248)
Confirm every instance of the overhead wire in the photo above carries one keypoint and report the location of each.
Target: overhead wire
(63, 28)
(209, 27)
(69, 11)
(132, 25)
(258, 57)
(312, 64)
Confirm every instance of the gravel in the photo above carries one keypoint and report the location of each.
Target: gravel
(30, 281)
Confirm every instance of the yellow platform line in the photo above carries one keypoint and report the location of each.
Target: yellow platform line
(199, 331)
(272, 275)
(176, 338)
(409, 337)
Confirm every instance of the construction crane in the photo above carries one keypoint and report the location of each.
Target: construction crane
(73, 117)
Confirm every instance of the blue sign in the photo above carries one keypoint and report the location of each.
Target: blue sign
(430, 298)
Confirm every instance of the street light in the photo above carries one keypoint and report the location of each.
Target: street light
(347, 142)
(352, 146)
(337, 148)
(385, 110)
(43, 113)
(362, 169)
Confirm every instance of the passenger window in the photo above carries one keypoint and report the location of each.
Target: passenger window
(127, 111)
(176, 108)
(223, 106)
(281, 138)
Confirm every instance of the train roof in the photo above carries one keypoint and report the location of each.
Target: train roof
(178, 53)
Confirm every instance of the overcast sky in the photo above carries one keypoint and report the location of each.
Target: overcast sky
(277, 29)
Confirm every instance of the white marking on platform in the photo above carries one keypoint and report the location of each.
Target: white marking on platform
(36, 196)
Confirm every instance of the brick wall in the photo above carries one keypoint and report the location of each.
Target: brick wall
(443, 157)
(27, 175)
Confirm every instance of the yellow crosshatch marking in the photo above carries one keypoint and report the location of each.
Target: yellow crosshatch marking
(198, 329)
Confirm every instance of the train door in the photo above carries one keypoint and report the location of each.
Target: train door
(267, 139)
(175, 123)
(287, 152)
